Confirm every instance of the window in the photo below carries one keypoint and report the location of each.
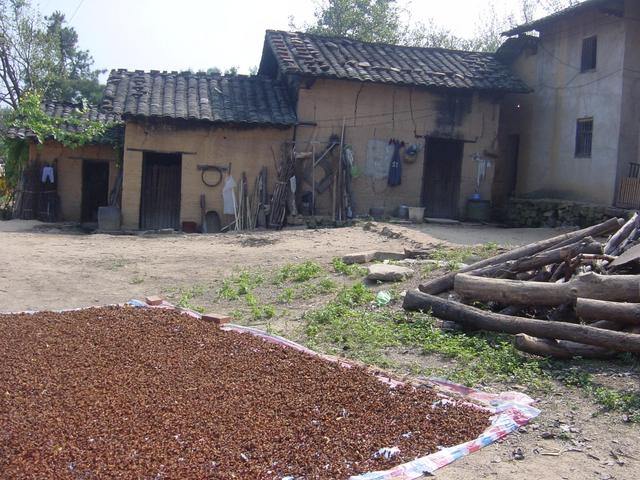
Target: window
(589, 54)
(584, 137)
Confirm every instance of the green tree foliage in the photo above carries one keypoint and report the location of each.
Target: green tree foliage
(30, 116)
(41, 53)
(382, 21)
(72, 76)
(367, 20)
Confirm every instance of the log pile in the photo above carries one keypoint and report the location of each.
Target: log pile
(571, 295)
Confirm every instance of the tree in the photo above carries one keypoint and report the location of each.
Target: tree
(367, 20)
(72, 76)
(382, 21)
(38, 53)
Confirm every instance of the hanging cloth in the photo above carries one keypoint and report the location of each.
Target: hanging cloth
(228, 196)
(47, 174)
(395, 167)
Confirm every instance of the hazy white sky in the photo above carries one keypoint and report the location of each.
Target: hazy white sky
(198, 34)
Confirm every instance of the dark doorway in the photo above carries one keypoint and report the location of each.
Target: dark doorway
(95, 189)
(441, 177)
(512, 165)
(160, 195)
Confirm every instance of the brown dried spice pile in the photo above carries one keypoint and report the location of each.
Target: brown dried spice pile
(146, 393)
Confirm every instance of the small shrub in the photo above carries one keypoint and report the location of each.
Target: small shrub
(298, 272)
(259, 312)
(353, 271)
(239, 285)
(286, 296)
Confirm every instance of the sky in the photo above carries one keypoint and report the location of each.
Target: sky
(199, 34)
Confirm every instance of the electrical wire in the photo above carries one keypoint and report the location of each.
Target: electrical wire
(76, 10)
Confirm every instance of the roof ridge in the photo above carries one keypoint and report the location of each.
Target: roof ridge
(395, 45)
(184, 73)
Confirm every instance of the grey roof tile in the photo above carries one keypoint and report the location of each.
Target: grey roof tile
(343, 58)
(237, 99)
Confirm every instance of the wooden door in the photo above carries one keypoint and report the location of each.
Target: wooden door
(161, 189)
(95, 189)
(441, 177)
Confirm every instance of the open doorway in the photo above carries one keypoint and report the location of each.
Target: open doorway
(441, 177)
(161, 190)
(95, 189)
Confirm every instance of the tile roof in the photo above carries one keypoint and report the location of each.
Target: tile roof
(66, 110)
(343, 58)
(204, 97)
(617, 5)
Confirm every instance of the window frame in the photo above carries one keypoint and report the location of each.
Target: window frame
(589, 54)
(584, 138)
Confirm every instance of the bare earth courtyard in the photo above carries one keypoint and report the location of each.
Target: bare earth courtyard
(253, 277)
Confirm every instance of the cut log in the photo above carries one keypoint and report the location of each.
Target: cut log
(607, 325)
(621, 235)
(563, 349)
(616, 288)
(535, 262)
(474, 317)
(591, 310)
(445, 282)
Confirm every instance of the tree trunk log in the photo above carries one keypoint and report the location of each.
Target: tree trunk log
(445, 282)
(621, 235)
(563, 349)
(592, 310)
(548, 257)
(474, 317)
(616, 288)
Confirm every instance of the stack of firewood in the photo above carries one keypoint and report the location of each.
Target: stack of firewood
(571, 295)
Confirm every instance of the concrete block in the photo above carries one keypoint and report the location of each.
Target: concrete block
(362, 257)
(382, 256)
(381, 272)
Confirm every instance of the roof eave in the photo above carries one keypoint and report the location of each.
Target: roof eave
(524, 89)
(209, 123)
(537, 24)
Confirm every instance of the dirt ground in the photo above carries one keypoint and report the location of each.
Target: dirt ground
(60, 268)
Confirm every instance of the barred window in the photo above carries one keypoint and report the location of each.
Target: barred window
(584, 137)
(589, 54)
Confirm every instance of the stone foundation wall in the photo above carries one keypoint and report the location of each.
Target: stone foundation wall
(519, 212)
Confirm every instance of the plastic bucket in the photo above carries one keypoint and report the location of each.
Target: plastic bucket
(416, 214)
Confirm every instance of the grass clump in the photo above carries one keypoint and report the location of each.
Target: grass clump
(353, 270)
(609, 398)
(240, 285)
(323, 287)
(186, 296)
(259, 311)
(350, 326)
(298, 272)
(287, 296)
(453, 258)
